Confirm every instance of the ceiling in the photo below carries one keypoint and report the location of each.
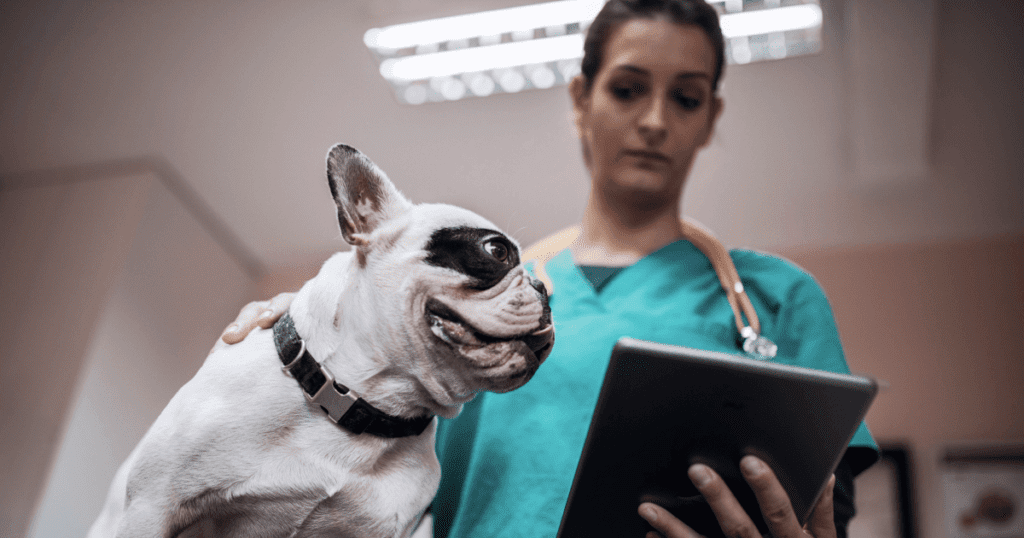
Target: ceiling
(242, 102)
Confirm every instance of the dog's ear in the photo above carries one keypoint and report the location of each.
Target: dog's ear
(364, 194)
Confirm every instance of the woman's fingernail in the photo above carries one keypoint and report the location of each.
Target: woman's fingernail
(752, 466)
(650, 514)
(266, 314)
(700, 475)
(231, 329)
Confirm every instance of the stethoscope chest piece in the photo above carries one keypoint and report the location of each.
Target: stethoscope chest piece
(758, 346)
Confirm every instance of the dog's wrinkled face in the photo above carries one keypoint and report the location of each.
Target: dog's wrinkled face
(485, 306)
(448, 288)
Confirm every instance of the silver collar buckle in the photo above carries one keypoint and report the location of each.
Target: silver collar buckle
(334, 399)
(331, 399)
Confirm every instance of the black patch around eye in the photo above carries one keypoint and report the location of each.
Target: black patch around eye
(463, 249)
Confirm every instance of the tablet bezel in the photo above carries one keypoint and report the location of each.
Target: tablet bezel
(607, 490)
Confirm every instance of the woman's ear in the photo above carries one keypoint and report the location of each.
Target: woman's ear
(580, 108)
(717, 104)
(580, 101)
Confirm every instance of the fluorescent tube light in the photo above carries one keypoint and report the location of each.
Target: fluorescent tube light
(486, 23)
(500, 51)
(441, 64)
(473, 59)
(768, 21)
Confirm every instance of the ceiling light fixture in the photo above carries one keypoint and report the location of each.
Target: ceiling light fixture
(485, 23)
(476, 59)
(771, 20)
(540, 45)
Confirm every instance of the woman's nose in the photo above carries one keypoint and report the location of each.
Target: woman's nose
(652, 122)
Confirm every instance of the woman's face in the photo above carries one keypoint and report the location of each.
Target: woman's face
(648, 111)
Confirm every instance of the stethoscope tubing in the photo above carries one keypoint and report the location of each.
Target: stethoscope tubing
(747, 323)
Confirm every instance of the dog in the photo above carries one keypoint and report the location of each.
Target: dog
(430, 307)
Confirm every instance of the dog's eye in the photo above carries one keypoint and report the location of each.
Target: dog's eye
(496, 249)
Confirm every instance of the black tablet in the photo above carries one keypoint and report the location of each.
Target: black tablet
(663, 408)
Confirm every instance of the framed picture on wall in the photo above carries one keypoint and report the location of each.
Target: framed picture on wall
(983, 491)
(883, 495)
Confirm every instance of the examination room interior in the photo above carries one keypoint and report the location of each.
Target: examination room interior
(162, 164)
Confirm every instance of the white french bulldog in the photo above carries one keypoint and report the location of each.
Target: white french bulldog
(431, 306)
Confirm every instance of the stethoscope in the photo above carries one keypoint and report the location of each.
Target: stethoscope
(747, 324)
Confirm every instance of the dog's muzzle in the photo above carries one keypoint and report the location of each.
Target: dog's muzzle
(450, 327)
(519, 334)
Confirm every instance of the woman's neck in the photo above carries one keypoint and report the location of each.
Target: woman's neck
(620, 235)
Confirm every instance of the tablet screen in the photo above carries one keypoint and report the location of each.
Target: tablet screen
(662, 408)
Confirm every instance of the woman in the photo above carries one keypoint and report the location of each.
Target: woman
(645, 103)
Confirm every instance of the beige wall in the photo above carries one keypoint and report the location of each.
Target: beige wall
(63, 246)
(246, 102)
(115, 292)
(177, 291)
(940, 324)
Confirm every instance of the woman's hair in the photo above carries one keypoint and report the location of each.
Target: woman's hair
(617, 12)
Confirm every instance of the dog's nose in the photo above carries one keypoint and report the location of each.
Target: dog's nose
(539, 286)
(542, 292)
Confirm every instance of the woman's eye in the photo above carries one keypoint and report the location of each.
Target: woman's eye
(496, 249)
(685, 101)
(627, 91)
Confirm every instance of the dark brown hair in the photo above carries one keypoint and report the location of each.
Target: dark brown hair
(618, 12)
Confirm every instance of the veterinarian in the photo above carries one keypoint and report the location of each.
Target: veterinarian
(646, 102)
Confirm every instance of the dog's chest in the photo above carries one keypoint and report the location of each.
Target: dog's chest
(368, 507)
(344, 493)
(373, 506)
(380, 489)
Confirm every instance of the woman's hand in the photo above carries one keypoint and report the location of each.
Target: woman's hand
(773, 500)
(257, 313)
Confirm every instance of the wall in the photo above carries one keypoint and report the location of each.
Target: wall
(939, 323)
(178, 289)
(99, 371)
(246, 102)
(63, 246)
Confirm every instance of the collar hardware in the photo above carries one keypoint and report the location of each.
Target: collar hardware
(343, 406)
(287, 365)
(333, 398)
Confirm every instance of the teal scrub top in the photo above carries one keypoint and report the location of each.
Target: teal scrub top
(508, 460)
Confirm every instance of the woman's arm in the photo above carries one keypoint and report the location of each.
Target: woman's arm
(775, 506)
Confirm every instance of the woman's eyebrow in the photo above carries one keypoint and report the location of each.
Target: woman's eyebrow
(693, 74)
(632, 69)
(642, 71)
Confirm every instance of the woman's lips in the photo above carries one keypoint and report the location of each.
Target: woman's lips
(652, 157)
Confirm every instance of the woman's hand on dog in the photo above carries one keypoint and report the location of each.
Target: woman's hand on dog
(775, 506)
(257, 313)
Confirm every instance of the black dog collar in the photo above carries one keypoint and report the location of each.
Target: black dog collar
(342, 405)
